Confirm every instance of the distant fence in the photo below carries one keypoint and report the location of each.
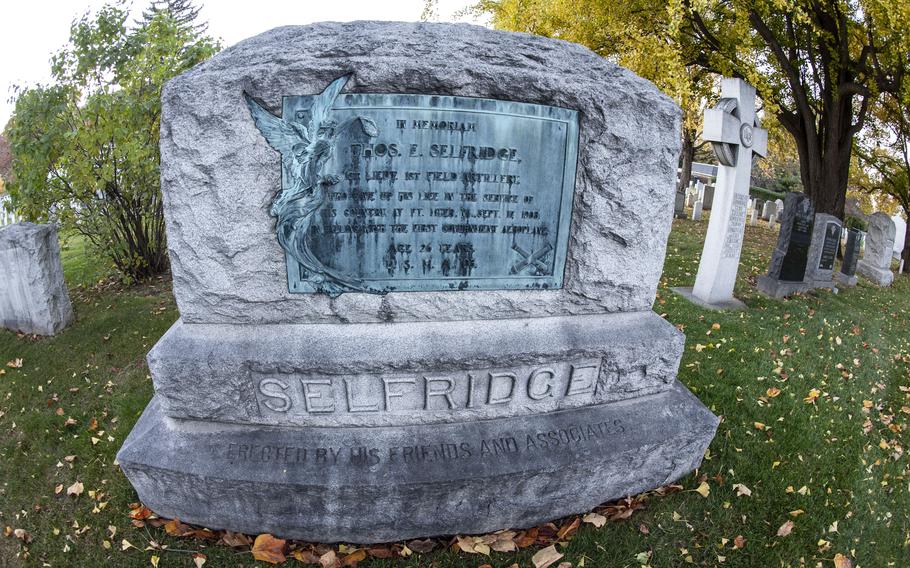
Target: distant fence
(7, 217)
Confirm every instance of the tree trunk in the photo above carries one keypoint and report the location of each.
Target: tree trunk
(687, 155)
(824, 166)
(905, 254)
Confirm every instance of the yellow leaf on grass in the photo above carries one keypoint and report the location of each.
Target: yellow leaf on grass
(772, 392)
(812, 396)
(154, 560)
(199, 559)
(126, 545)
(75, 489)
(595, 519)
(759, 425)
(841, 561)
(785, 528)
(546, 557)
(269, 549)
(703, 489)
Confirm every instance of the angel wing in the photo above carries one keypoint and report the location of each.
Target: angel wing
(323, 102)
(279, 134)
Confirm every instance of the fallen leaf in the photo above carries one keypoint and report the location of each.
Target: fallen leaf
(595, 519)
(546, 557)
(75, 489)
(380, 552)
(22, 535)
(841, 561)
(328, 560)
(422, 546)
(269, 549)
(353, 558)
(739, 541)
(772, 392)
(703, 489)
(199, 559)
(812, 396)
(785, 528)
(126, 545)
(235, 540)
(568, 529)
(15, 364)
(742, 490)
(141, 513)
(154, 560)
(305, 556)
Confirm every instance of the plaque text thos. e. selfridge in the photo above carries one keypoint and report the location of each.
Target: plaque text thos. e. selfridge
(425, 192)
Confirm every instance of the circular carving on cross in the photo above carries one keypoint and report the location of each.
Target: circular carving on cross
(745, 135)
(726, 153)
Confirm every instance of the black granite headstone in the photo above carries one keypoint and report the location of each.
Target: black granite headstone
(829, 247)
(851, 254)
(793, 268)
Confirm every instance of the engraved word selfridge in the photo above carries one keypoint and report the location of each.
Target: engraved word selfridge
(388, 193)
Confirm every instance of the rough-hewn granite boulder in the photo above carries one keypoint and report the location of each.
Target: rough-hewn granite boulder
(218, 171)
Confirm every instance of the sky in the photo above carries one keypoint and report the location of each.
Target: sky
(35, 29)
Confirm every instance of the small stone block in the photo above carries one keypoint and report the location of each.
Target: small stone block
(33, 296)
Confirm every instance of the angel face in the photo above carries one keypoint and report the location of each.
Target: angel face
(326, 129)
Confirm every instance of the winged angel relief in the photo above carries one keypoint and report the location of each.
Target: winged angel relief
(305, 150)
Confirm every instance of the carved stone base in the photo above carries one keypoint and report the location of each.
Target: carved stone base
(411, 372)
(731, 304)
(376, 484)
(780, 288)
(878, 276)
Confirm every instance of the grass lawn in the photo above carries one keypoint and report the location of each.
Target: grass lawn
(814, 394)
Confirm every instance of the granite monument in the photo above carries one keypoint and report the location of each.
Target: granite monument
(787, 272)
(33, 295)
(876, 262)
(735, 134)
(415, 265)
(846, 276)
(826, 236)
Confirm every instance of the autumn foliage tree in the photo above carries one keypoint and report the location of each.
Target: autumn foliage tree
(638, 34)
(819, 65)
(85, 148)
(884, 156)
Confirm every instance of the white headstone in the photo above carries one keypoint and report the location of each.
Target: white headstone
(735, 138)
(754, 218)
(767, 210)
(696, 211)
(900, 232)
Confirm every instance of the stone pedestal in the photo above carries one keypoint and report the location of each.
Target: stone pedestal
(33, 296)
(374, 429)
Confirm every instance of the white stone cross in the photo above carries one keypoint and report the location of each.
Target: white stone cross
(733, 130)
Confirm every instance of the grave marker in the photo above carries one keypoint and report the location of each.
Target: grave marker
(733, 129)
(438, 309)
(33, 295)
(876, 262)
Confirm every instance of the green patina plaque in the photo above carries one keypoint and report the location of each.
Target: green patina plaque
(406, 192)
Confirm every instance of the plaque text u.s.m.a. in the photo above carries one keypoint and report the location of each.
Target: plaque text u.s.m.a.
(407, 192)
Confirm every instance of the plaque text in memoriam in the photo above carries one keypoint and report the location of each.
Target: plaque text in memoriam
(395, 192)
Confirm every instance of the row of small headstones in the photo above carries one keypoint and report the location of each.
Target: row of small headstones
(700, 197)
